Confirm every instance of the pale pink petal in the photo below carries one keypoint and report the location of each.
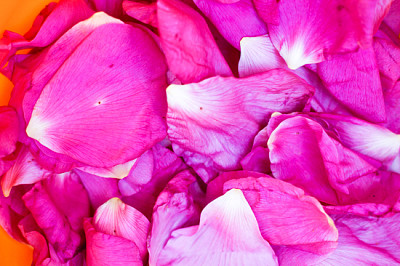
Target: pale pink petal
(281, 207)
(118, 171)
(233, 20)
(72, 121)
(8, 130)
(258, 55)
(109, 250)
(142, 11)
(212, 123)
(309, 30)
(119, 219)
(176, 207)
(366, 138)
(189, 47)
(25, 170)
(353, 79)
(228, 234)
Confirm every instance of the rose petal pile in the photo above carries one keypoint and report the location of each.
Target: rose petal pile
(204, 132)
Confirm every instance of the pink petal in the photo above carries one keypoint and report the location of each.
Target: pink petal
(144, 12)
(366, 138)
(392, 20)
(308, 31)
(212, 123)
(281, 207)
(353, 79)
(111, 7)
(392, 101)
(228, 234)
(233, 20)
(302, 153)
(24, 171)
(8, 130)
(189, 62)
(257, 160)
(119, 219)
(76, 125)
(118, 171)
(103, 249)
(175, 208)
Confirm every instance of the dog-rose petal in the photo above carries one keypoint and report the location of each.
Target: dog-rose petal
(212, 123)
(228, 234)
(190, 49)
(116, 218)
(235, 20)
(85, 124)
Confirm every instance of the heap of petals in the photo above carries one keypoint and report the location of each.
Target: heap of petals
(204, 132)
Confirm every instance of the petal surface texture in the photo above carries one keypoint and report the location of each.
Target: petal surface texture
(228, 234)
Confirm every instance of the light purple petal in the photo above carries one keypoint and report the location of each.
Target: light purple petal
(212, 123)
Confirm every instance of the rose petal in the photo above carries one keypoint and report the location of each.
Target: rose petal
(190, 63)
(212, 123)
(228, 234)
(144, 12)
(8, 130)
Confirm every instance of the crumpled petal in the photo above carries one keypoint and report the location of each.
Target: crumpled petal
(302, 153)
(234, 20)
(103, 249)
(212, 123)
(142, 11)
(189, 47)
(8, 130)
(353, 79)
(25, 170)
(119, 219)
(176, 207)
(71, 121)
(281, 207)
(366, 138)
(308, 31)
(228, 234)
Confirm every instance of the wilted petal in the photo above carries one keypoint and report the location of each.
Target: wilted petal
(234, 20)
(25, 170)
(281, 207)
(72, 121)
(189, 47)
(228, 234)
(175, 208)
(309, 30)
(103, 249)
(212, 123)
(119, 219)
(8, 130)
(353, 79)
(142, 11)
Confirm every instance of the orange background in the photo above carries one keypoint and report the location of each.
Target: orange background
(17, 16)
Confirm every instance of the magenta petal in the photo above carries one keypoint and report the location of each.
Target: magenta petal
(119, 219)
(8, 130)
(281, 207)
(111, 7)
(392, 19)
(392, 101)
(175, 208)
(234, 20)
(309, 30)
(71, 121)
(212, 123)
(103, 249)
(353, 79)
(228, 234)
(144, 12)
(189, 47)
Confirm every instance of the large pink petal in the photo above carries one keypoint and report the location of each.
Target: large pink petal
(234, 20)
(228, 234)
(8, 130)
(189, 47)
(281, 207)
(176, 207)
(353, 79)
(308, 31)
(119, 219)
(72, 121)
(212, 123)
(109, 250)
